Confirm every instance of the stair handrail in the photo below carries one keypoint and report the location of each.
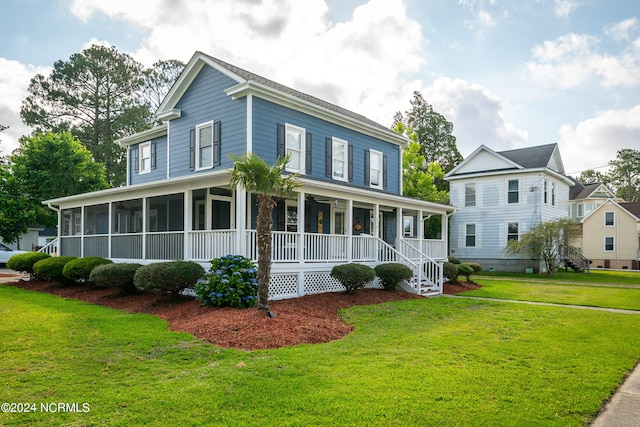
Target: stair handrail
(424, 258)
(574, 255)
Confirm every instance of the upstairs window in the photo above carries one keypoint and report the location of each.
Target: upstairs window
(513, 191)
(546, 191)
(513, 231)
(609, 219)
(204, 148)
(294, 146)
(204, 144)
(553, 194)
(469, 195)
(375, 169)
(145, 158)
(580, 211)
(339, 159)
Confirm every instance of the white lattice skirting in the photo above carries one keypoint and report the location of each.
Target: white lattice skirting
(285, 285)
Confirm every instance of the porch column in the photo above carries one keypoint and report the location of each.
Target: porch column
(110, 230)
(445, 234)
(420, 231)
(241, 221)
(144, 227)
(399, 226)
(187, 223)
(349, 220)
(82, 230)
(376, 220)
(300, 242)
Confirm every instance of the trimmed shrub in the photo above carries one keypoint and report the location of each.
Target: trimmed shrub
(51, 269)
(24, 262)
(465, 270)
(115, 276)
(231, 282)
(454, 260)
(391, 274)
(79, 269)
(450, 271)
(353, 276)
(474, 266)
(172, 276)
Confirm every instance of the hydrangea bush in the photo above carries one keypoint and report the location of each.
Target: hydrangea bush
(231, 282)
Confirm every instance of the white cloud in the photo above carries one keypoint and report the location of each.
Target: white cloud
(476, 114)
(574, 60)
(622, 30)
(290, 42)
(14, 82)
(595, 141)
(564, 8)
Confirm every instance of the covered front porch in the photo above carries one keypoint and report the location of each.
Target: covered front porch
(199, 220)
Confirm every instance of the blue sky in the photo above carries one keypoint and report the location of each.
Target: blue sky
(507, 74)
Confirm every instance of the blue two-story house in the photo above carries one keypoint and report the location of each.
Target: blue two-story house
(177, 203)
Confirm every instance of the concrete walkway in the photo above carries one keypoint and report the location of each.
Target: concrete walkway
(623, 409)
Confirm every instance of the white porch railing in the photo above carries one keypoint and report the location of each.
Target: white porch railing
(50, 248)
(436, 249)
(207, 245)
(431, 273)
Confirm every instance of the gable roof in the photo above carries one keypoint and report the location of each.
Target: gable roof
(251, 83)
(488, 162)
(584, 191)
(631, 208)
(531, 157)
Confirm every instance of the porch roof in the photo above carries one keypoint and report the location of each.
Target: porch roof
(220, 178)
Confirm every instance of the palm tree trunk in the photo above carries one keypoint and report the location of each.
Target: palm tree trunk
(264, 227)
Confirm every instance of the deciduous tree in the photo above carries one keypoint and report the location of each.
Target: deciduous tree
(544, 242)
(51, 165)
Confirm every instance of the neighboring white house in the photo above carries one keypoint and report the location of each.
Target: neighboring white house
(501, 195)
(28, 241)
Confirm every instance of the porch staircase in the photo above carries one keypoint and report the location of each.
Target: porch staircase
(50, 248)
(573, 259)
(427, 277)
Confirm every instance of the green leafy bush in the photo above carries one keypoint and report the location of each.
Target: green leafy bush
(353, 276)
(172, 276)
(231, 282)
(79, 269)
(391, 274)
(454, 260)
(115, 276)
(51, 269)
(24, 262)
(450, 271)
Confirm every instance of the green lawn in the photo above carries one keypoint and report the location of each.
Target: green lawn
(424, 362)
(616, 290)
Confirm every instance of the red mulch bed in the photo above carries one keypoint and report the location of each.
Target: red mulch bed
(308, 319)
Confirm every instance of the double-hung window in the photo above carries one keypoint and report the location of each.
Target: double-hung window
(608, 244)
(469, 194)
(375, 169)
(513, 191)
(609, 219)
(145, 157)
(204, 145)
(470, 235)
(339, 159)
(295, 148)
(513, 231)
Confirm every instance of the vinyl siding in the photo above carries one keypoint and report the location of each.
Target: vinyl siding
(206, 101)
(624, 231)
(492, 212)
(266, 116)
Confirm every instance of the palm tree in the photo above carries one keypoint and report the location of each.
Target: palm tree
(266, 182)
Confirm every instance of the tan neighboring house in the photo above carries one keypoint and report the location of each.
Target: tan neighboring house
(584, 198)
(611, 235)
